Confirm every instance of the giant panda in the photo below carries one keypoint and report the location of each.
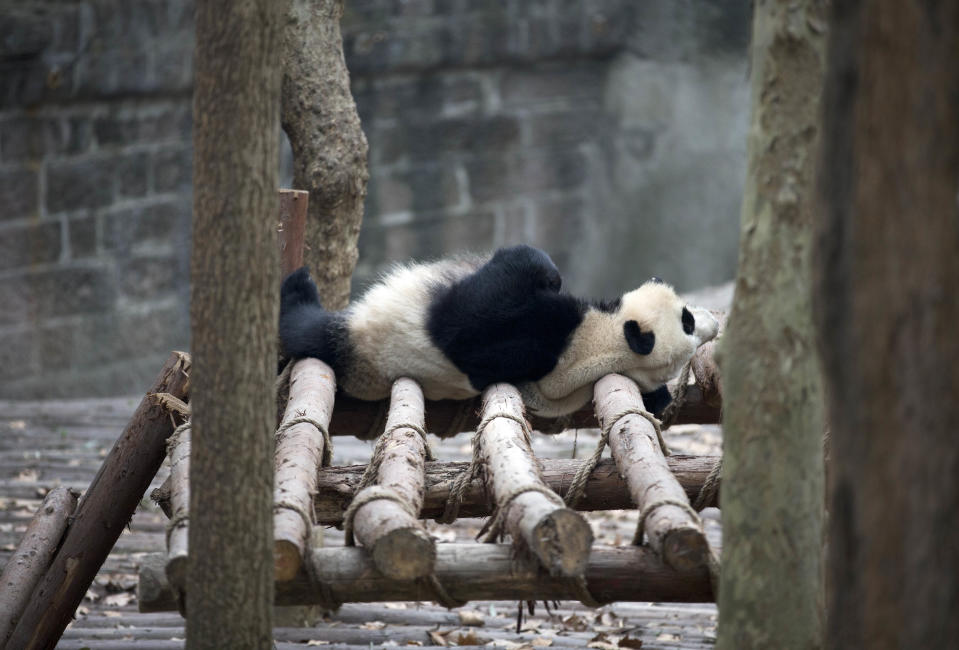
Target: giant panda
(462, 323)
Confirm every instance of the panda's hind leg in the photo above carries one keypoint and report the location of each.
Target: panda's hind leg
(298, 289)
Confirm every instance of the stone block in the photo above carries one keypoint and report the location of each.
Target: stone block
(142, 278)
(18, 187)
(568, 128)
(492, 178)
(125, 125)
(82, 235)
(146, 225)
(18, 355)
(63, 291)
(80, 183)
(173, 169)
(552, 85)
(34, 243)
(133, 174)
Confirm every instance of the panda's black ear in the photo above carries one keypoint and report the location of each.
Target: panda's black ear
(639, 341)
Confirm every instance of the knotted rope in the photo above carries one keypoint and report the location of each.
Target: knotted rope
(463, 479)
(578, 485)
(305, 419)
(671, 412)
(707, 493)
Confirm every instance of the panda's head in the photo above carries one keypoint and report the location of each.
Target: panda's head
(660, 333)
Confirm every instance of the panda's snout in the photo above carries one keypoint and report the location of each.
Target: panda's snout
(707, 326)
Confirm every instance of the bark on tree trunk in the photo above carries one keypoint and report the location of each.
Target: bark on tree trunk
(887, 304)
(235, 286)
(329, 147)
(770, 593)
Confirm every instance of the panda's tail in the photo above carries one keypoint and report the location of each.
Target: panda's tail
(306, 329)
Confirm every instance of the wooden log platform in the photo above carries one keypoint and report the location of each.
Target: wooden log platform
(558, 536)
(674, 532)
(399, 545)
(179, 531)
(300, 449)
(605, 489)
(468, 572)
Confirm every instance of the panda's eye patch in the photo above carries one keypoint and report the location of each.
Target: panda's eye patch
(689, 323)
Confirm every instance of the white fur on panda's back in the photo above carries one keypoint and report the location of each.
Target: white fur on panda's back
(389, 339)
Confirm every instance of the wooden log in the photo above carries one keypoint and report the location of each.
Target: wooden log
(292, 229)
(179, 531)
(605, 488)
(706, 370)
(103, 512)
(400, 546)
(674, 532)
(33, 555)
(445, 418)
(468, 572)
(300, 449)
(557, 535)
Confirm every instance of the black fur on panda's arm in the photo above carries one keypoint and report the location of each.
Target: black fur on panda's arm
(306, 329)
(507, 321)
(657, 400)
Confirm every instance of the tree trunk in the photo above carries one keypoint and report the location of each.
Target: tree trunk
(887, 304)
(329, 148)
(770, 594)
(234, 313)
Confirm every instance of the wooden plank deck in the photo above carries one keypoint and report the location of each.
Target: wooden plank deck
(49, 443)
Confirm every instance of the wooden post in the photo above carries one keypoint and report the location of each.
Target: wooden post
(605, 488)
(300, 449)
(674, 533)
(179, 531)
(706, 370)
(293, 207)
(396, 540)
(103, 512)
(557, 535)
(30, 561)
(467, 572)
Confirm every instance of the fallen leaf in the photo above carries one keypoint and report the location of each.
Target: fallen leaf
(395, 605)
(17, 424)
(626, 642)
(373, 625)
(469, 638)
(668, 637)
(542, 642)
(471, 617)
(437, 638)
(121, 599)
(27, 476)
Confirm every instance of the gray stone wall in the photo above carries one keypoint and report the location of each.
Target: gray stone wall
(610, 132)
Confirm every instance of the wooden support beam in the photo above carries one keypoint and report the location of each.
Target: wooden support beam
(557, 535)
(468, 572)
(292, 229)
(445, 418)
(399, 545)
(605, 488)
(30, 561)
(300, 449)
(674, 532)
(179, 451)
(103, 512)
